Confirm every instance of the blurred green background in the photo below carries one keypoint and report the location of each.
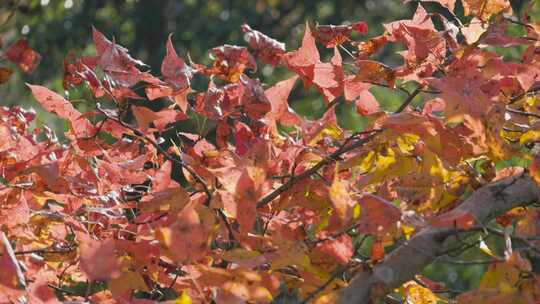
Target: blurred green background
(58, 27)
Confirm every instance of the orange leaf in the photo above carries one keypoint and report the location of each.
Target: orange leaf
(55, 103)
(375, 72)
(98, 258)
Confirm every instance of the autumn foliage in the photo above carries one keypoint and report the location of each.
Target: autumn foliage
(266, 205)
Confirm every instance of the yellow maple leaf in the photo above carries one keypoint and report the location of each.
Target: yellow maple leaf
(419, 295)
(183, 298)
(500, 276)
(484, 9)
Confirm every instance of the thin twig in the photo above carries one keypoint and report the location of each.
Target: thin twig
(347, 51)
(524, 113)
(223, 217)
(45, 251)
(532, 90)
(514, 21)
(332, 104)
(198, 179)
(339, 271)
(65, 291)
(408, 100)
(308, 173)
(149, 221)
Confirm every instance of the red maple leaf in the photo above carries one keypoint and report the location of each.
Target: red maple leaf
(303, 60)
(267, 49)
(334, 35)
(26, 58)
(55, 103)
(174, 70)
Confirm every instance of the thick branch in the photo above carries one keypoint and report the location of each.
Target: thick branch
(424, 247)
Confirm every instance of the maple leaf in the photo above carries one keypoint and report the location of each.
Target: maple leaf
(278, 96)
(303, 60)
(230, 61)
(328, 77)
(322, 130)
(160, 119)
(55, 103)
(26, 58)
(174, 70)
(371, 46)
(39, 290)
(358, 92)
(422, 43)
(117, 63)
(171, 199)
(352, 89)
(503, 276)
(110, 55)
(474, 30)
(267, 49)
(377, 216)
(421, 19)
(334, 35)
(236, 285)
(187, 238)
(122, 286)
(341, 201)
(426, 47)
(247, 193)
(375, 72)
(253, 98)
(484, 9)
(534, 168)
(377, 251)
(419, 294)
(339, 248)
(93, 251)
(82, 69)
(496, 34)
(464, 94)
(158, 91)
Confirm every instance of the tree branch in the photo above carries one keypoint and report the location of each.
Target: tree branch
(425, 246)
(409, 99)
(173, 158)
(311, 171)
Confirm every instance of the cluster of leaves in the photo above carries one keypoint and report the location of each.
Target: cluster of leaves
(20, 54)
(270, 204)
